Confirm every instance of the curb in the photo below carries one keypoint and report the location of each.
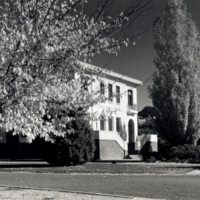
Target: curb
(79, 192)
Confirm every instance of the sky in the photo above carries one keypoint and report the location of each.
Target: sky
(137, 61)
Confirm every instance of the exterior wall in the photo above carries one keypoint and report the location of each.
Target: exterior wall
(110, 150)
(154, 146)
(142, 139)
(119, 110)
(110, 141)
(110, 144)
(116, 109)
(110, 136)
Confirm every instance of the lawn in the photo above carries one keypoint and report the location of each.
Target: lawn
(109, 168)
(153, 186)
(108, 178)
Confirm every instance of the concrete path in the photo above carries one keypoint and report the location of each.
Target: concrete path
(17, 193)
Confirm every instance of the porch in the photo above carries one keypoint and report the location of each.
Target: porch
(111, 147)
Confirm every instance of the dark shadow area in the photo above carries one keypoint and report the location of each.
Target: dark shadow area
(131, 148)
(147, 153)
(183, 167)
(25, 166)
(13, 150)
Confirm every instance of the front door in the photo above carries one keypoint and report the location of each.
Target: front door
(131, 131)
(131, 144)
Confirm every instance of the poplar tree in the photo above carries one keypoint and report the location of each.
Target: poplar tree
(175, 91)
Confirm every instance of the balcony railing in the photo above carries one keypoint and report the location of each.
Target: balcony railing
(131, 109)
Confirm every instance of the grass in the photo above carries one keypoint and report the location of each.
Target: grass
(102, 168)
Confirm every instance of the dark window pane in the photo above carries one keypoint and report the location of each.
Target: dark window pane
(102, 127)
(130, 97)
(118, 94)
(117, 124)
(85, 86)
(110, 124)
(110, 92)
(102, 88)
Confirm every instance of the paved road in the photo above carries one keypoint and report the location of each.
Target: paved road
(158, 187)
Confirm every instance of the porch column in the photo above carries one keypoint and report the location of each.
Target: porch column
(135, 127)
(127, 130)
(106, 125)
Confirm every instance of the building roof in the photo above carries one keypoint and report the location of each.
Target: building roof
(109, 73)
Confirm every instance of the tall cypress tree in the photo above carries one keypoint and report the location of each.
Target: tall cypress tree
(175, 92)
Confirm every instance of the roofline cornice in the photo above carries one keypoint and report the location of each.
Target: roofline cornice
(114, 74)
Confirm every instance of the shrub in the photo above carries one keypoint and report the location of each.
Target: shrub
(74, 148)
(185, 153)
(163, 149)
(147, 153)
(147, 127)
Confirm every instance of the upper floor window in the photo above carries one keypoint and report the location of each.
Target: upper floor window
(85, 86)
(110, 94)
(102, 88)
(85, 82)
(130, 97)
(118, 94)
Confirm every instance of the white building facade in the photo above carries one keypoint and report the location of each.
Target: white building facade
(116, 135)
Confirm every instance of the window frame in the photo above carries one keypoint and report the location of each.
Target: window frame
(102, 124)
(110, 92)
(118, 98)
(118, 124)
(102, 88)
(130, 98)
(110, 123)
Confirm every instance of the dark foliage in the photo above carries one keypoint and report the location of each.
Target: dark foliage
(147, 127)
(74, 148)
(185, 153)
(175, 90)
(163, 149)
(147, 153)
(147, 112)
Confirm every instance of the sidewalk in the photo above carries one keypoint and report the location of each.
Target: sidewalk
(17, 193)
(24, 163)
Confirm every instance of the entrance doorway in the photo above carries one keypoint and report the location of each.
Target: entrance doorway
(131, 144)
(131, 131)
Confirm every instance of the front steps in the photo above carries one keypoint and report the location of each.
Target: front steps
(128, 158)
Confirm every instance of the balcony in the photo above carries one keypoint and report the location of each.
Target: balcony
(132, 109)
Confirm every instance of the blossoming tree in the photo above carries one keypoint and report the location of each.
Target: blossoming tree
(40, 44)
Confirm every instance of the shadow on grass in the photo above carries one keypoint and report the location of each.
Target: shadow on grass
(24, 166)
(185, 167)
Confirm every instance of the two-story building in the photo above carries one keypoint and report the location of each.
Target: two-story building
(117, 134)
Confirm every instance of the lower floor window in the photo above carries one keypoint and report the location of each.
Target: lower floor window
(118, 122)
(102, 124)
(110, 125)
